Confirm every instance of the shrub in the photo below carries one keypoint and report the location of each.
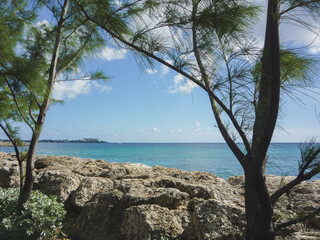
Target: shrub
(42, 216)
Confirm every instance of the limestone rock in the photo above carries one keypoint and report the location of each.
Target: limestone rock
(116, 201)
(88, 187)
(166, 197)
(57, 162)
(101, 217)
(9, 171)
(153, 222)
(219, 220)
(60, 183)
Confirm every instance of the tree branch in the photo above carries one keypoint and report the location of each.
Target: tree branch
(300, 178)
(16, 102)
(233, 146)
(158, 59)
(29, 89)
(31, 115)
(78, 79)
(16, 149)
(301, 4)
(297, 220)
(74, 58)
(51, 10)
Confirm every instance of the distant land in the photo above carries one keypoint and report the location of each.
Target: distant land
(84, 140)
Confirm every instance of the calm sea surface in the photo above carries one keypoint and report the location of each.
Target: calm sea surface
(210, 157)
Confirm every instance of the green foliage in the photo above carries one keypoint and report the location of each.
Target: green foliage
(41, 217)
(310, 156)
(297, 69)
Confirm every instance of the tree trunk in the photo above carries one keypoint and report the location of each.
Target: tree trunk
(27, 188)
(28, 183)
(259, 209)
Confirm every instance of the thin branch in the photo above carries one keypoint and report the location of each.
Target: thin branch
(233, 146)
(76, 28)
(16, 101)
(31, 115)
(301, 4)
(51, 10)
(127, 5)
(16, 149)
(300, 178)
(298, 219)
(29, 89)
(78, 79)
(73, 59)
(311, 159)
(158, 59)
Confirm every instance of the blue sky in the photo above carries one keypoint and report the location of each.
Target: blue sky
(138, 105)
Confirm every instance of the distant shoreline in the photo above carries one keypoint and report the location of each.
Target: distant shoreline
(72, 141)
(4, 143)
(7, 143)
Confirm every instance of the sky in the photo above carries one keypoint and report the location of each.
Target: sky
(158, 105)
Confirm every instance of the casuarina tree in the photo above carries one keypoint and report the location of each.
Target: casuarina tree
(209, 43)
(37, 55)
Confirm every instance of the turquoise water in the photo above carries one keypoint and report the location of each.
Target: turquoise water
(210, 157)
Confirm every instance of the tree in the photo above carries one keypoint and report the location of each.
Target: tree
(208, 43)
(11, 28)
(40, 55)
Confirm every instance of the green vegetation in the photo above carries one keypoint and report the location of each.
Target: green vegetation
(210, 43)
(39, 54)
(42, 216)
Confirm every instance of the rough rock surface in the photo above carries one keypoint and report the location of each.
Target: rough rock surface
(133, 201)
(9, 170)
(219, 220)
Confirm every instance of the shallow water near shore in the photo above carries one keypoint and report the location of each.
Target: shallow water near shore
(210, 157)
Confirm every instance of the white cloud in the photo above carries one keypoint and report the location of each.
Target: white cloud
(105, 88)
(301, 37)
(181, 85)
(43, 23)
(197, 124)
(151, 71)
(71, 89)
(155, 129)
(164, 69)
(118, 3)
(101, 87)
(111, 54)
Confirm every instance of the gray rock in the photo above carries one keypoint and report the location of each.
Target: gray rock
(60, 183)
(116, 201)
(166, 197)
(88, 187)
(219, 220)
(9, 171)
(153, 222)
(100, 218)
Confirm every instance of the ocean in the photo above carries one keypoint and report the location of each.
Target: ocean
(215, 158)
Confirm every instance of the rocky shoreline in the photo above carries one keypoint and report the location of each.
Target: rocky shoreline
(117, 201)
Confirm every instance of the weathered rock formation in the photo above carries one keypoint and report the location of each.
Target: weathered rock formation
(116, 201)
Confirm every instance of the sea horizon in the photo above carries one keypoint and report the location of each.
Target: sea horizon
(215, 158)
